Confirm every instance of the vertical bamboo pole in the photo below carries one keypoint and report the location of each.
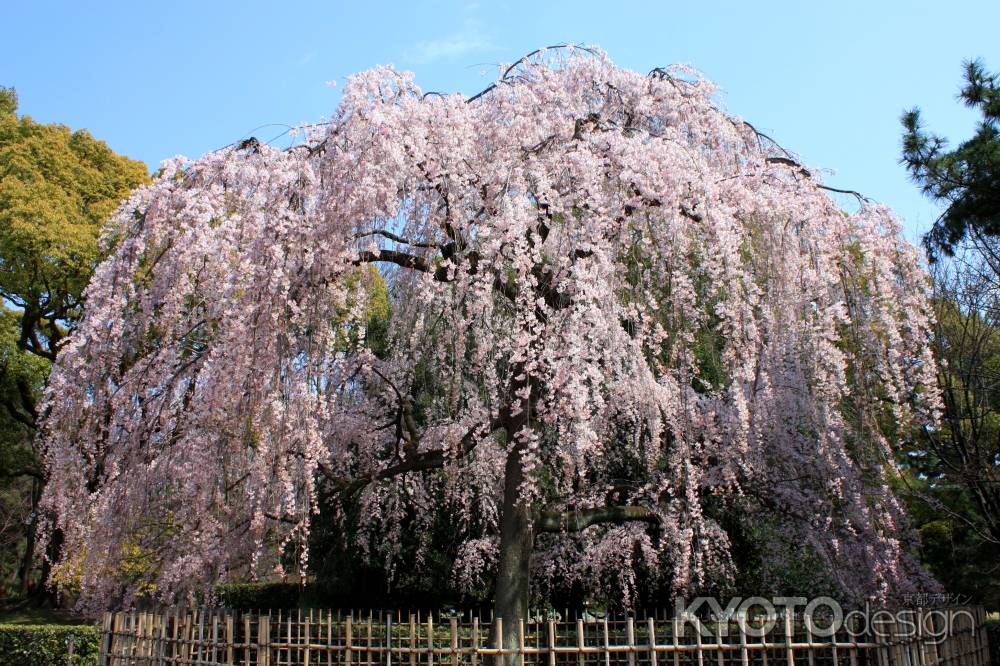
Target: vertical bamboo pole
(128, 624)
(915, 640)
(854, 641)
(136, 635)
(120, 638)
(607, 643)
(498, 623)
(881, 651)
(146, 631)
(763, 641)
(185, 645)
(329, 636)
(929, 647)
(229, 639)
(475, 641)
(106, 639)
(413, 641)
(833, 648)
(921, 638)
(904, 643)
(896, 653)
(536, 633)
(651, 629)
(789, 653)
(676, 641)
(307, 637)
(150, 651)
(741, 625)
(194, 638)
(520, 643)
(552, 642)
(247, 636)
(150, 636)
(581, 657)
(807, 621)
(630, 638)
(281, 629)
(720, 657)
(348, 637)
(261, 641)
(430, 639)
(697, 642)
(368, 640)
(215, 638)
(113, 641)
(388, 639)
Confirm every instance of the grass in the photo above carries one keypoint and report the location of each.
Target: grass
(24, 616)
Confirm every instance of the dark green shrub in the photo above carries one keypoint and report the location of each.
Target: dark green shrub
(264, 596)
(48, 644)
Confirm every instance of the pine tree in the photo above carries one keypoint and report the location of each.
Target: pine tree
(966, 179)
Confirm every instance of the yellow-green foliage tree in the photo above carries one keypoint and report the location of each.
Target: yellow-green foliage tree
(57, 187)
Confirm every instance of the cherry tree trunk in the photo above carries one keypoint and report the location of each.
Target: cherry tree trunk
(516, 544)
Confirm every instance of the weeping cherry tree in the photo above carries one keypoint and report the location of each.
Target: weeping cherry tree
(612, 305)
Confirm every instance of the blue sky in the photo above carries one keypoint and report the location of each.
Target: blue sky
(827, 79)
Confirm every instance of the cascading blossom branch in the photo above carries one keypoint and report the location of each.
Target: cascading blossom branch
(612, 313)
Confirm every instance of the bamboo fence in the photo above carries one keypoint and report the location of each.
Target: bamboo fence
(949, 637)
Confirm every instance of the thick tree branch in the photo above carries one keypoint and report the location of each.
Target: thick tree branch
(580, 519)
(401, 259)
(396, 239)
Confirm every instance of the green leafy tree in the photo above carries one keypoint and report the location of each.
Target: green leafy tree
(8, 101)
(952, 472)
(967, 178)
(56, 189)
(21, 377)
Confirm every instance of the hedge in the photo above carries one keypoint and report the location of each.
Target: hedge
(48, 644)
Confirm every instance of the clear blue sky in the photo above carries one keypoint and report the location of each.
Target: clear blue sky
(826, 79)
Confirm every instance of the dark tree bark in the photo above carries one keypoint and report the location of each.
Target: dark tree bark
(516, 544)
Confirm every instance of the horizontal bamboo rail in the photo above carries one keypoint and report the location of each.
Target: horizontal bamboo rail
(946, 637)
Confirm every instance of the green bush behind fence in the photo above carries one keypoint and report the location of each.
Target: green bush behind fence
(49, 644)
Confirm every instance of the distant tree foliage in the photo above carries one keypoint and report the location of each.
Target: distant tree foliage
(965, 179)
(8, 101)
(57, 187)
(953, 471)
